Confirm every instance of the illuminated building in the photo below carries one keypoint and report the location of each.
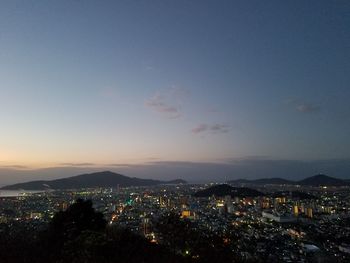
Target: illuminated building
(35, 215)
(280, 200)
(63, 206)
(296, 210)
(188, 214)
(264, 203)
(309, 212)
(146, 226)
(185, 213)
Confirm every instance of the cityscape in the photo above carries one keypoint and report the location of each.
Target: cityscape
(174, 131)
(253, 222)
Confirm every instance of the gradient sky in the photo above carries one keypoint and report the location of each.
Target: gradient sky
(106, 83)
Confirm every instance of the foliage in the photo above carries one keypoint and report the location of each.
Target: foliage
(78, 235)
(184, 238)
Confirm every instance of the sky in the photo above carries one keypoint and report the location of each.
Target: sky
(160, 89)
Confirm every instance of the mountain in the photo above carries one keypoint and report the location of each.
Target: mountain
(317, 180)
(225, 189)
(322, 180)
(99, 179)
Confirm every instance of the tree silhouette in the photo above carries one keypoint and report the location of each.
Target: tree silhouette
(183, 237)
(81, 235)
(79, 217)
(66, 226)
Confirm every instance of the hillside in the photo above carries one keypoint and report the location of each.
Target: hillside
(99, 179)
(317, 180)
(322, 180)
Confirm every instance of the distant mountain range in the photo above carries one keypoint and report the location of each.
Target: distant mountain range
(225, 189)
(99, 179)
(317, 180)
(110, 179)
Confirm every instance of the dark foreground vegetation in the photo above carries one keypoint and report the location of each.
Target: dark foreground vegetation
(81, 235)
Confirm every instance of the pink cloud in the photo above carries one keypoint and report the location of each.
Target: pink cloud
(167, 103)
(215, 128)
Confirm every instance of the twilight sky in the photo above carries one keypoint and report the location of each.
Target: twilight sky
(209, 86)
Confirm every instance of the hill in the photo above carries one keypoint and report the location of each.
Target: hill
(322, 180)
(225, 189)
(317, 180)
(99, 179)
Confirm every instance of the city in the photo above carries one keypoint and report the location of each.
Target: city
(277, 223)
(174, 131)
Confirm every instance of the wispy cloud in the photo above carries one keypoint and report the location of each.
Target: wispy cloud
(14, 166)
(215, 128)
(302, 106)
(76, 164)
(234, 160)
(120, 164)
(307, 108)
(126, 165)
(200, 128)
(168, 103)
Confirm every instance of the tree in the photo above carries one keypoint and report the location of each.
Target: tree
(184, 238)
(80, 216)
(80, 235)
(66, 226)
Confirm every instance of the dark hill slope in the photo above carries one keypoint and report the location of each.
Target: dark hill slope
(317, 180)
(99, 179)
(322, 180)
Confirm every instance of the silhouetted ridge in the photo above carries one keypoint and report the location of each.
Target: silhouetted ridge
(98, 179)
(317, 180)
(322, 180)
(225, 189)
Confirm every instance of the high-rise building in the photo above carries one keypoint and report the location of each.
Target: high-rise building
(309, 212)
(146, 226)
(296, 210)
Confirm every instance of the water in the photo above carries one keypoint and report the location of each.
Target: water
(14, 193)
